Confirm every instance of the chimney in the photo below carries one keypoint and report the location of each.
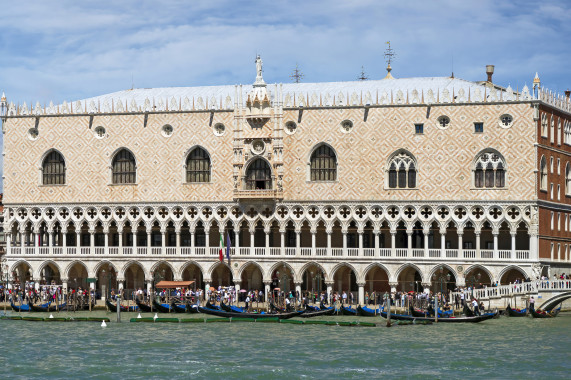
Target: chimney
(568, 94)
(490, 72)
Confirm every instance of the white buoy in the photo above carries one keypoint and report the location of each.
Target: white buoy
(103, 324)
(156, 316)
(51, 316)
(139, 316)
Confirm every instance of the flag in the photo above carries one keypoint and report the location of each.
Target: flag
(228, 244)
(221, 247)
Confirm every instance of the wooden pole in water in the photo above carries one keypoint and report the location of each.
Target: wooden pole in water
(388, 301)
(119, 307)
(435, 308)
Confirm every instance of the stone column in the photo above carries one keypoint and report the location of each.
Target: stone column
(237, 286)
(120, 236)
(237, 240)
(533, 243)
(106, 248)
(409, 243)
(344, 242)
(192, 241)
(207, 237)
(149, 285)
(8, 242)
(495, 234)
(443, 243)
(313, 245)
(377, 243)
(360, 232)
(78, 241)
(393, 286)
(120, 284)
(513, 235)
(426, 232)
(149, 231)
(297, 242)
(22, 240)
(393, 244)
(460, 243)
(361, 293)
(177, 243)
(134, 232)
(252, 246)
(206, 290)
(478, 251)
(267, 252)
(298, 289)
(91, 242)
(329, 285)
(329, 243)
(282, 242)
(163, 242)
(267, 290)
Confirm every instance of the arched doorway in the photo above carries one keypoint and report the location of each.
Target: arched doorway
(377, 280)
(21, 274)
(192, 272)
(442, 280)
(345, 280)
(106, 280)
(410, 280)
(477, 277)
(222, 276)
(77, 276)
(513, 275)
(252, 278)
(258, 175)
(313, 279)
(282, 278)
(134, 278)
(50, 275)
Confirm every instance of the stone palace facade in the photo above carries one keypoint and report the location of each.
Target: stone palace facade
(346, 186)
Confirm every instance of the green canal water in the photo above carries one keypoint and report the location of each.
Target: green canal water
(502, 348)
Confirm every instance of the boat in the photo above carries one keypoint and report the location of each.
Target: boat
(474, 319)
(113, 307)
(430, 313)
(515, 312)
(213, 307)
(178, 308)
(364, 311)
(143, 306)
(162, 307)
(231, 308)
(544, 313)
(317, 313)
(418, 312)
(22, 308)
(191, 307)
(229, 314)
(467, 311)
(48, 307)
(348, 311)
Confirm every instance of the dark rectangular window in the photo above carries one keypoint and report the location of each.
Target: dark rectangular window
(419, 129)
(478, 127)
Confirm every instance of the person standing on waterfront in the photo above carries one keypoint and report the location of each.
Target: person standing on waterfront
(475, 306)
(532, 303)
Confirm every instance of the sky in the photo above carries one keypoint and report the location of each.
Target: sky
(70, 50)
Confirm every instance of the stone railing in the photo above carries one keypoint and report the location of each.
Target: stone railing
(413, 254)
(520, 289)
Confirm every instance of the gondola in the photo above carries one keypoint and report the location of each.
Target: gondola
(191, 307)
(364, 311)
(430, 313)
(231, 308)
(318, 313)
(544, 314)
(213, 307)
(515, 312)
(418, 313)
(22, 308)
(178, 308)
(348, 311)
(467, 311)
(143, 306)
(228, 314)
(48, 307)
(475, 319)
(113, 307)
(162, 307)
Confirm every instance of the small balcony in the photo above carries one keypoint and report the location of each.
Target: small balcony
(261, 194)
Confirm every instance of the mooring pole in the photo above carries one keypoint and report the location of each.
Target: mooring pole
(388, 301)
(119, 307)
(435, 308)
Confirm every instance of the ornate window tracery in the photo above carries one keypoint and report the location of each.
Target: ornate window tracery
(323, 164)
(490, 171)
(198, 166)
(258, 175)
(53, 169)
(402, 171)
(124, 168)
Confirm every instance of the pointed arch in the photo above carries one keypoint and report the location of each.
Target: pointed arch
(188, 264)
(102, 263)
(161, 262)
(323, 163)
(372, 266)
(480, 267)
(543, 173)
(409, 265)
(130, 263)
(69, 267)
(197, 165)
(401, 170)
(123, 167)
(308, 265)
(279, 264)
(437, 267)
(258, 174)
(489, 169)
(53, 168)
(511, 268)
(247, 264)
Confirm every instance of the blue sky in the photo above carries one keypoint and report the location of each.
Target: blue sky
(68, 50)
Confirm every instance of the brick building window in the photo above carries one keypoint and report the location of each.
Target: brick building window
(489, 170)
(543, 174)
(402, 171)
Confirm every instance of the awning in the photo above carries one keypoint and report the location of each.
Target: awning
(173, 284)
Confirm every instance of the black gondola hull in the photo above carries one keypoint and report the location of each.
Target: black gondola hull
(226, 314)
(475, 319)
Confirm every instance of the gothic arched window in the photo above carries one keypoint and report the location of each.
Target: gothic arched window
(258, 175)
(198, 166)
(124, 168)
(567, 179)
(490, 170)
(402, 171)
(53, 169)
(543, 174)
(323, 164)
